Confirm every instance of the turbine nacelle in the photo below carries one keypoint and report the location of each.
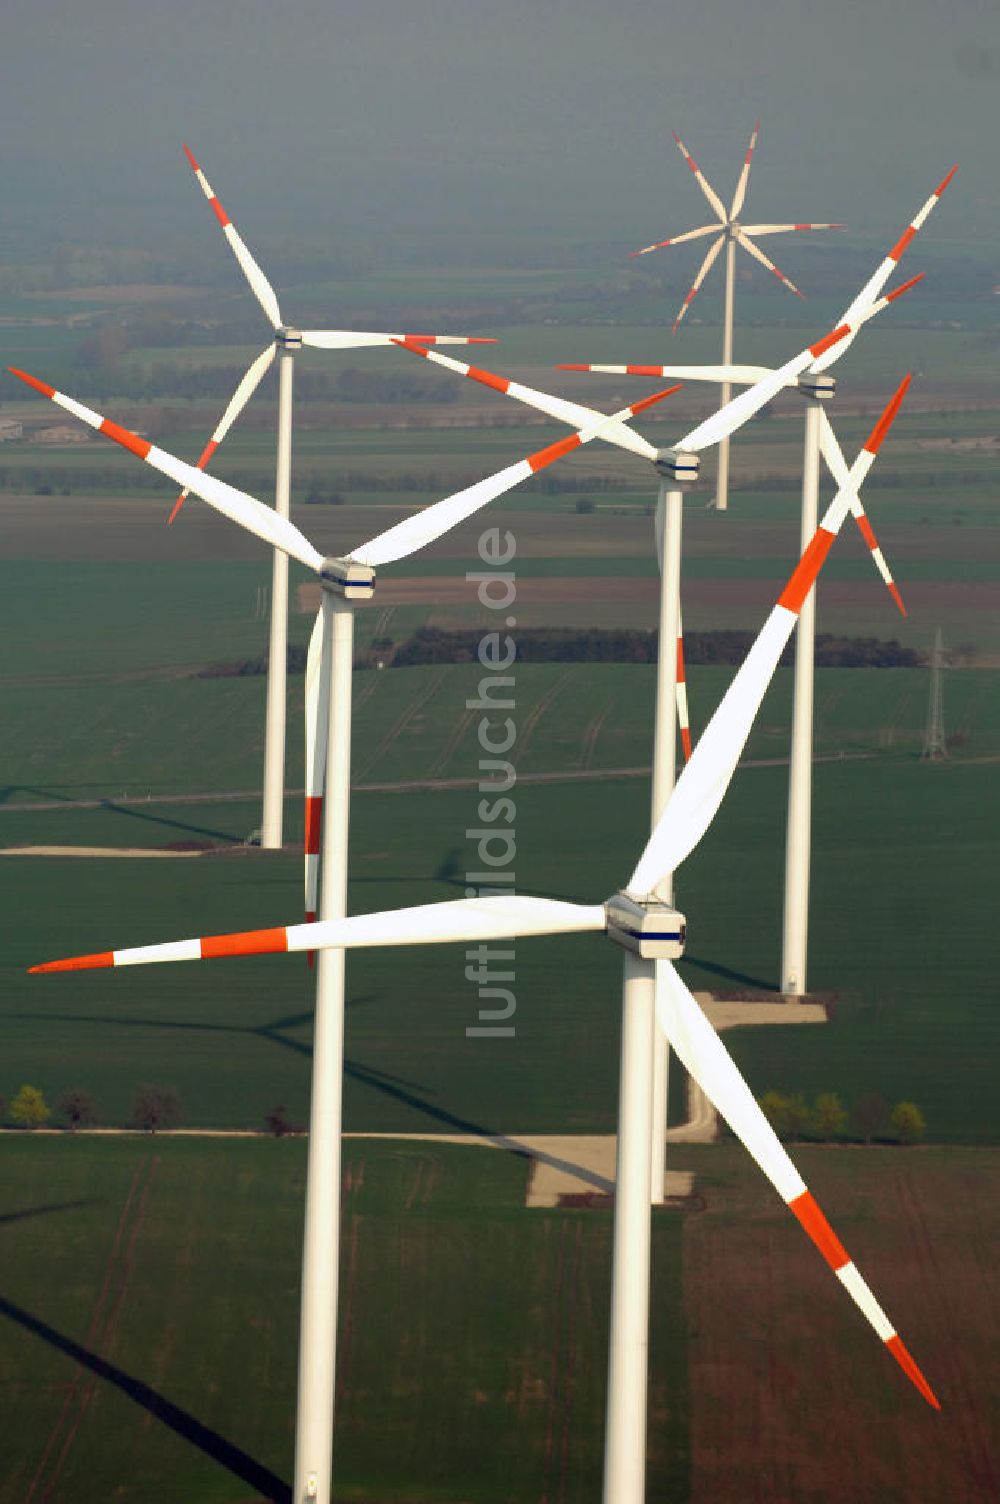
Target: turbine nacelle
(348, 578)
(647, 926)
(288, 339)
(679, 466)
(817, 385)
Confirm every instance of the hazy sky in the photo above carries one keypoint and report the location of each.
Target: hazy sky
(394, 115)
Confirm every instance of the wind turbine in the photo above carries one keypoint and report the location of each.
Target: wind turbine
(642, 921)
(344, 581)
(671, 694)
(317, 685)
(817, 387)
(286, 342)
(729, 232)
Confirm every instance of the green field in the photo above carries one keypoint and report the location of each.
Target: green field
(902, 937)
(150, 1285)
(131, 1368)
(92, 737)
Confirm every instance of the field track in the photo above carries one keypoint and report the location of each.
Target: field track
(99, 1339)
(389, 786)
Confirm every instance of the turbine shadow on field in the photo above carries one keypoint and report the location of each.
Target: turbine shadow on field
(741, 977)
(190, 1429)
(272, 1032)
(390, 1086)
(8, 791)
(451, 872)
(196, 830)
(41, 1211)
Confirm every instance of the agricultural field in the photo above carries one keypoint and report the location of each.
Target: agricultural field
(128, 1369)
(113, 740)
(104, 706)
(785, 1388)
(904, 943)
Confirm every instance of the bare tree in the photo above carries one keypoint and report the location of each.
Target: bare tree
(78, 1107)
(870, 1115)
(156, 1107)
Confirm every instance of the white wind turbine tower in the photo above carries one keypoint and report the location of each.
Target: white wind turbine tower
(651, 934)
(817, 387)
(286, 342)
(729, 232)
(344, 581)
(671, 697)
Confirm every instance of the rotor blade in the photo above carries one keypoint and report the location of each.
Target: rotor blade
(741, 375)
(742, 407)
(678, 239)
(745, 375)
(741, 186)
(700, 788)
(423, 527)
(746, 404)
(680, 681)
(837, 466)
(702, 1053)
(251, 381)
(236, 505)
(348, 339)
(758, 255)
(784, 229)
(868, 294)
(464, 919)
(701, 180)
(261, 287)
(573, 413)
(703, 272)
(683, 719)
(317, 707)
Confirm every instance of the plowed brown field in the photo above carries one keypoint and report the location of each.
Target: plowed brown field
(792, 1400)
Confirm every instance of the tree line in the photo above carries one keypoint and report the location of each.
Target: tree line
(431, 645)
(827, 1120)
(152, 1108)
(437, 645)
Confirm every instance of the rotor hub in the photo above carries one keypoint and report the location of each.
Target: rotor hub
(678, 466)
(647, 926)
(348, 578)
(817, 385)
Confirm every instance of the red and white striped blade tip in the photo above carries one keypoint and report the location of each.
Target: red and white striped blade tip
(206, 455)
(40, 386)
(111, 430)
(207, 948)
(897, 292)
(875, 439)
(813, 1221)
(501, 383)
(873, 444)
(467, 339)
(668, 391)
(552, 452)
